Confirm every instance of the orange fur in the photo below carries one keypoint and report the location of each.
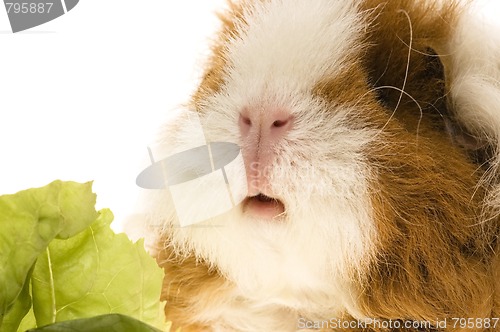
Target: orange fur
(189, 286)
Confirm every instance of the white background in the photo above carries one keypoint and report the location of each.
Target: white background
(82, 96)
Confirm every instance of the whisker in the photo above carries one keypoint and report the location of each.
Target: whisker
(385, 69)
(407, 69)
(394, 111)
(402, 89)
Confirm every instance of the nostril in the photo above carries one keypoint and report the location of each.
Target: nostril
(279, 123)
(245, 120)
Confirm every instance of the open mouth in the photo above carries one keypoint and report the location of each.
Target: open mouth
(264, 206)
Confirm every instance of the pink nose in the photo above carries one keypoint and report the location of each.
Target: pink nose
(261, 131)
(264, 127)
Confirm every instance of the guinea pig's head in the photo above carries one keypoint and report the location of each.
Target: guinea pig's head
(339, 109)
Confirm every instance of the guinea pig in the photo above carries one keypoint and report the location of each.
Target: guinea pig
(369, 134)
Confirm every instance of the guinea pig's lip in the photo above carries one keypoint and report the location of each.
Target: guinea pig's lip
(265, 198)
(264, 207)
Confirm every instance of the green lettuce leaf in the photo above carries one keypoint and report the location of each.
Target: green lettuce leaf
(28, 321)
(18, 310)
(82, 270)
(108, 323)
(29, 220)
(96, 272)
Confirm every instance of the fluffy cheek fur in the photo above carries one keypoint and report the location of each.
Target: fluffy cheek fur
(262, 274)
(308, 259)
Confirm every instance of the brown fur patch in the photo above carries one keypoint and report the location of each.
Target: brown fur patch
(213, 76)
(189, 288)
(435, 253)
(394, 27)
(435, 256)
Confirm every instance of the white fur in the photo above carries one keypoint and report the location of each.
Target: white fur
(473, 63)
(302, 264)
(286, 46)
